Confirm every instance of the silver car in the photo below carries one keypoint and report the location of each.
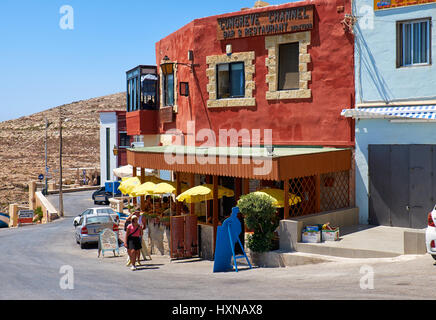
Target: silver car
(89, 227)
(98, 210)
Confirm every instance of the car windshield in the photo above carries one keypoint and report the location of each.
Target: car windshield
(108, 211)
(101, 219)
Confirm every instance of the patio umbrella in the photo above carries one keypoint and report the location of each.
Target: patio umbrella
(167, 187)
(127, 185)
(203, 193)
(143, 189)
(278, 197)
(127, 171)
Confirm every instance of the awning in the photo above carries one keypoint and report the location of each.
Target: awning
(427, 112)
(243, 162)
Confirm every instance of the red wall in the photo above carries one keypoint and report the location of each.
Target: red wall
(314, 121)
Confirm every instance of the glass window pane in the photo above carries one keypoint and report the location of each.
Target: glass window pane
(223, 81)
(289, 76)
(169, 89)
(407, 43)
(237, 80)
(424, 42)
(416, 43)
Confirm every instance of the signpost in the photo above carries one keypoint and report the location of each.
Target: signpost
(108, 241)
(25, 216)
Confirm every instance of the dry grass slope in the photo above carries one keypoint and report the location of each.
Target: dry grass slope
(22, 144)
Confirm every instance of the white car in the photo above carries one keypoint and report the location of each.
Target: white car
(430, 234)
(98, 210)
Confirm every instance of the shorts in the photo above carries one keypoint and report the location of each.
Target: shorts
(134, 243)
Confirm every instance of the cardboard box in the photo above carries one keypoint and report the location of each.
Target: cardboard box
(311, 237)
(330, 235)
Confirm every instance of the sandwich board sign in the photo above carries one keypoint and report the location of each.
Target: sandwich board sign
(25, 216)
(108, 241)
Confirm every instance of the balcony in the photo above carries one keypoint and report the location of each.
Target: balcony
(142, 122)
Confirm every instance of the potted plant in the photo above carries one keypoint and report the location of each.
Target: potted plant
(260, 216)
(38, 215)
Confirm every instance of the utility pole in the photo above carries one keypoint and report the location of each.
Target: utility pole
(46, 169)
(61, 199)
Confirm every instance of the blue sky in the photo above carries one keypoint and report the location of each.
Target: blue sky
(43, 66)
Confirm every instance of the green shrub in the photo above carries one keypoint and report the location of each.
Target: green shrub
(37, 214)
(260, 216)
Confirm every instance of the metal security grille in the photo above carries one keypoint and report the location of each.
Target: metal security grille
(305, 189)
(320, 193)
(334, 191)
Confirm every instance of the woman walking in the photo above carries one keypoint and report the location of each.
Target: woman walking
(133, 241)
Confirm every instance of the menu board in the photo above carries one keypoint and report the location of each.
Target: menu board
(108, 241)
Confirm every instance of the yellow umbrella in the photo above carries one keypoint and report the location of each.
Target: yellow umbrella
(203, 193)
(278, 197)
(127, 185)
(143, 189)
(167, 187)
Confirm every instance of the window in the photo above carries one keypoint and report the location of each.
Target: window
(413, 43)
(124, 140)
(289, 77)
(169, 89)
(230, 80)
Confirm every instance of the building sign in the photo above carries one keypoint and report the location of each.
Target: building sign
(390, 4)
(25, 216)
(266, 23)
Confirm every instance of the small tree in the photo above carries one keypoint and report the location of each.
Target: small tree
(38, 214)
(259, 213)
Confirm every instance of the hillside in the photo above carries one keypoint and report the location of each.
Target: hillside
(22, 144)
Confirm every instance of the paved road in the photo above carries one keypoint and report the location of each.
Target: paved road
(31, 258)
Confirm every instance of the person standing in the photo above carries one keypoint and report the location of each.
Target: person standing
(133, 241)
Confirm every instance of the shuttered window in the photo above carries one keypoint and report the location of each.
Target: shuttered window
(289, 77)
(413, 43)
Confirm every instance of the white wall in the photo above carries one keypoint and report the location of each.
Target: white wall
(108, 120)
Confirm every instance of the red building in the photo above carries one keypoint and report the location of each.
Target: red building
(278, 78)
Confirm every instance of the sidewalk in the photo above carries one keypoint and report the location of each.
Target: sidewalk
(367, 241)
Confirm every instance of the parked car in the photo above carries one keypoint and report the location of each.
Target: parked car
(430, 234)
(89, 227)
(101, 196)
(100, 210)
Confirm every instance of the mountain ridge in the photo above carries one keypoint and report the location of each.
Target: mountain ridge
(22, 147)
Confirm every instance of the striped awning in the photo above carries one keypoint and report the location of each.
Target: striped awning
(412, 112)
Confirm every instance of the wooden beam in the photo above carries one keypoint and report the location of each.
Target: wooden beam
(245, 186)
(191, 185)
(286, 199)
(178, 191)
(134, 175)
(215, 210)
(238, 190)
(142, 197)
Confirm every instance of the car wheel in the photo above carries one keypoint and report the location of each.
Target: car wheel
(83, 245)
(434, 256)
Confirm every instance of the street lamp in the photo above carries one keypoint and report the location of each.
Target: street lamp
(61, 198)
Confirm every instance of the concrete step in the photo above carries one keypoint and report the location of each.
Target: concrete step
(278, 258)
(327, 249)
